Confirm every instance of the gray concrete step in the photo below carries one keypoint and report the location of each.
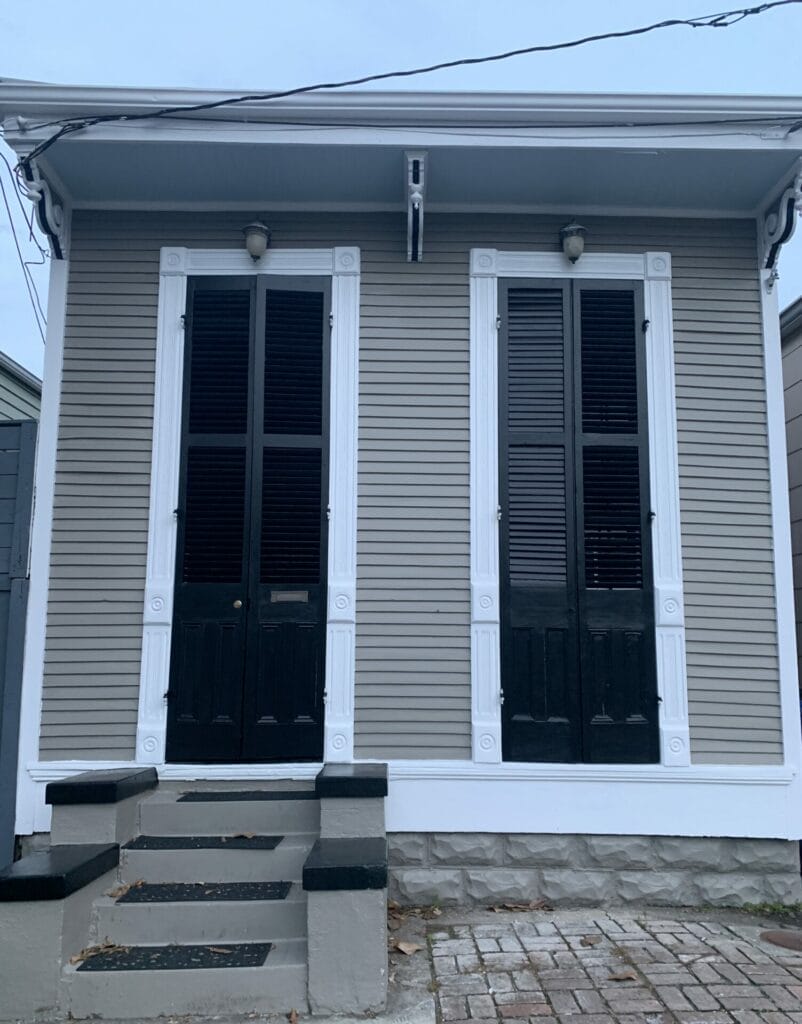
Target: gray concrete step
(165, 814)
(278, 986)
(218, 921)
(285, 863)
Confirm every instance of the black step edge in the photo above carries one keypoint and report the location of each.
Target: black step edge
(56, 873)
(335, 864)
(107, 786)
(352, 780)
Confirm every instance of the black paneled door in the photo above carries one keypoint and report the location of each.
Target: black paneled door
(248, 648)
(577, 646)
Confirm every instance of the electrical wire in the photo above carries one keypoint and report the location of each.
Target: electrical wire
(33, 295)
(723, 19)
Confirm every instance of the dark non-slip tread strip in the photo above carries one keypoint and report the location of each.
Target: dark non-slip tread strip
(106, 786)
(242, 842)
(179, 958)
(235, 796)
(205, 892)
(56, 873)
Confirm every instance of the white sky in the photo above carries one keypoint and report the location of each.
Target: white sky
(273, 44)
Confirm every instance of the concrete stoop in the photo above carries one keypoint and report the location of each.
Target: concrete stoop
(200, 900)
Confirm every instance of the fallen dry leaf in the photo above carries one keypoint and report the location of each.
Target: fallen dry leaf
(623, 976)
(219, 949)
(498, 908)
(590, 940)
(244, 835)
(292, 1017)
(121, 890)
(407, 948)
(102, 947)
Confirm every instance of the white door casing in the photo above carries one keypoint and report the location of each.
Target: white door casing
(654, 270)
(342, 265)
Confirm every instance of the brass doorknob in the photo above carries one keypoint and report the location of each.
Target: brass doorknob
(238, 604)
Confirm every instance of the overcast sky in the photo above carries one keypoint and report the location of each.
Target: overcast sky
(272, 44)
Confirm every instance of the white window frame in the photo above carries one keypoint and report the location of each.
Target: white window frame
(654, 270)
(342, 265)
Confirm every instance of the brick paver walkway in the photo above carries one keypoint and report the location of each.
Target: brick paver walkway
(601, 968)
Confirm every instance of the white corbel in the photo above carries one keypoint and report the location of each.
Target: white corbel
(416, 190)
(779, 223)
(50, 214)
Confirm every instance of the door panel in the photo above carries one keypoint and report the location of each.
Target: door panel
(577, 654)
(249, 630)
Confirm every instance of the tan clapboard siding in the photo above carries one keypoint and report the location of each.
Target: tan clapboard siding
(413, 607)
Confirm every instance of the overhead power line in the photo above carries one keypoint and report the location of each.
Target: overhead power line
(722, 19)
(30, 285)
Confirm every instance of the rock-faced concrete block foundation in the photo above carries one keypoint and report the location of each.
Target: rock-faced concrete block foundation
(575, 870)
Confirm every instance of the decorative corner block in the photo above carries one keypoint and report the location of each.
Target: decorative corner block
(342, 602)
(173, 260)
(484, 262)
(658, 266)
(346, 260)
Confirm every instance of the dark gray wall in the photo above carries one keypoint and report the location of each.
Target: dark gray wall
(17, 450)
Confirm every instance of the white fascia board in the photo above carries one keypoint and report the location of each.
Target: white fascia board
(39, 100)
(691, 138)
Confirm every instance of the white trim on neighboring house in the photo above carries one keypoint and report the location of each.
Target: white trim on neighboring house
(654, 269)
(781, 523)
(342, 265)
(29, 816)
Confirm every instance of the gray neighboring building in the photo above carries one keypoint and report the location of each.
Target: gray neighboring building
(791, 333)
(20, 391)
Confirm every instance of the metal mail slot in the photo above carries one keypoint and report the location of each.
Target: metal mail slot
(285, 596)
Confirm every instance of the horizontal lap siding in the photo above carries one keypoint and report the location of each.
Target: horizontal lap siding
(17, 402)
(413, 616)
(413, 626)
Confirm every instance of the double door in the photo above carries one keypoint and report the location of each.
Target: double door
(577, 611)
(248, 644)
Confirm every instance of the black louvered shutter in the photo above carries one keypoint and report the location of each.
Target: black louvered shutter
(209, 636)
(616, 601)
(577, 651)
(285, 680)
(539, 650)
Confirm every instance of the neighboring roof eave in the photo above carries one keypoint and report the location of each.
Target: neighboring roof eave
(20, 374)
(791, 320)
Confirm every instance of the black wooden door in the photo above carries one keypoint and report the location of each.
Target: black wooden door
(248, 654)
(577, 646)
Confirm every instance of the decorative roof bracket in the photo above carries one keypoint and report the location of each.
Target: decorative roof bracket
(49, 212)
(779, 223)
(416, 190)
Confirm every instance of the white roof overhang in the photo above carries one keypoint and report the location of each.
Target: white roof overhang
(573, 154)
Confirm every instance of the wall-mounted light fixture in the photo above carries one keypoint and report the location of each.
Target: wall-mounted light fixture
(257, 239)
(572, 237)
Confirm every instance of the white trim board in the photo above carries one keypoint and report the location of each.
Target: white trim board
(41, 537)
(342, 265)
(781, 525)
(457, 796)
(654, 270)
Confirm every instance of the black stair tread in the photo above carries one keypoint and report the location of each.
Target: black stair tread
(241, 842)
(58, 872)
(236, 795)
(194, 892)
(179, 958)
(105, 786)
